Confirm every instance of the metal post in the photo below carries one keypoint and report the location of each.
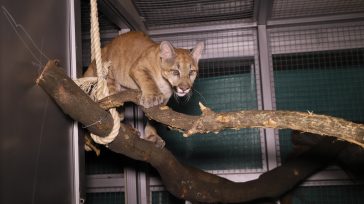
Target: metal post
(130, 174)
(75, 56)
(130, 185)
(267, 92)
(142, 177)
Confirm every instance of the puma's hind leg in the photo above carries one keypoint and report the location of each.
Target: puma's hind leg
(151, 135)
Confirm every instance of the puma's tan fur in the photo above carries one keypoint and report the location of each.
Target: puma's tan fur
(157, 70)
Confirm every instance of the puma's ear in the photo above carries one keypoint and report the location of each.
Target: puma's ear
(197, 51)
(166, 50)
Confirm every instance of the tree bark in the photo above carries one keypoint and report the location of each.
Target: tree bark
(182, 180)
(58, 85)
(193, 184)
(210, 121)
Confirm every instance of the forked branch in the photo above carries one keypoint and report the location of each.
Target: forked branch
(182, 180)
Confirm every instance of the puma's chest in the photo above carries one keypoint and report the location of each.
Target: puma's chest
(164, 87)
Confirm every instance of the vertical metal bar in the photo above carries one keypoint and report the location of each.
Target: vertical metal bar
(130, 185)
(263, 10)
(143, 188)
(142, 179)
(136, 183)
(130, 174)
(267, 92)
(256, 70)
(76, 197)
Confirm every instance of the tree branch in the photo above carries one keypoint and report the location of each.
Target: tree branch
(57, 84)
(211, 121)
(182, 180)
(193, 184)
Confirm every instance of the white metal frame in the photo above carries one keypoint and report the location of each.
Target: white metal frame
(74, 130)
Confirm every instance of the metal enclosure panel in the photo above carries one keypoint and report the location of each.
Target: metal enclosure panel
(333, 53)
(36, 158)
(304, 8)
(313, 38)
(181, 13)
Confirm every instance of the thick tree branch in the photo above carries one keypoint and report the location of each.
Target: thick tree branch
(211, 121)
(194, 184)
(184, 181)
(56, 83)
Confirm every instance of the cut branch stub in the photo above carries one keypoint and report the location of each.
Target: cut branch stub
(65, 92)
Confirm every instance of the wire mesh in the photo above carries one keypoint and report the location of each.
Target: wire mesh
(226, 82)
(108, 31)
(317, 38)
(163, 197)
(322, 79)
(104, 23)
(176, 12)
(328, 195)
(305, 8)
(107, 163)
(86, 46)
(218, 44)
(105, 198)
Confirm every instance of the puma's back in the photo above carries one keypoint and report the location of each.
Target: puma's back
(123, 51)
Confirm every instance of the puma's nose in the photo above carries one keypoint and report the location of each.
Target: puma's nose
(184, 87)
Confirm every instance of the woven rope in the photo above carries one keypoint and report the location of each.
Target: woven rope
(101, 89)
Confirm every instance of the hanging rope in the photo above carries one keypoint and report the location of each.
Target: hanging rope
(100, 89)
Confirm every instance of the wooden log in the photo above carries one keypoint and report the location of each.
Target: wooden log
(68, 96)
(182, 180)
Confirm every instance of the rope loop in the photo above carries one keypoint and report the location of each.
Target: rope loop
(98, 88)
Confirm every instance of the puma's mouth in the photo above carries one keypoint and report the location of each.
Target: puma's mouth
(180, 92)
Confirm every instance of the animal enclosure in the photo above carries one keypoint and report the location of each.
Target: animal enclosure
(264, 55)
(263, 61)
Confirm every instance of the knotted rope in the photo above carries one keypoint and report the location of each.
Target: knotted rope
(100, 89)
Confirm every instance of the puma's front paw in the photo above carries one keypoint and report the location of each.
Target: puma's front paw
(150, 100)
(152, 136)
(157, 140)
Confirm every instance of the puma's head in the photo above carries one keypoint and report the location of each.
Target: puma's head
(180, 66)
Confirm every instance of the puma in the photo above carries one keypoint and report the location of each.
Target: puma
(158, 70)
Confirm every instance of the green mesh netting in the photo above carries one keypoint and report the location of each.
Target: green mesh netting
(163, 197)
(105, 198)
(329, 195)
(307, 84)
(107, 163)
(229, 149)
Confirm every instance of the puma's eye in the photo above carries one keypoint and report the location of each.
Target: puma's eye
(192, 72)
(175, 72)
